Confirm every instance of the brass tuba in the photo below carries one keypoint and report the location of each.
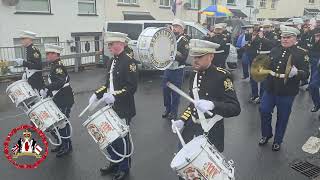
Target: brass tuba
(260, 68)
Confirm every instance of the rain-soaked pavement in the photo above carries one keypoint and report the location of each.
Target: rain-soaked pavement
(154, 141)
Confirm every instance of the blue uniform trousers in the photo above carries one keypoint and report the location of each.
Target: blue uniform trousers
(315, 82)
(284, 105)
(170, 98)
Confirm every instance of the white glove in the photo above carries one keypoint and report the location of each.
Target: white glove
(43, 93)
(19, 61)
(204, 105)
(93, 99)
(179, 124)
(108, 98)
(293, 72)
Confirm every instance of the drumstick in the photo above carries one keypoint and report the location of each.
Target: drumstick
(183, 94)
(178, 133)
(93, 104)
(85, 110)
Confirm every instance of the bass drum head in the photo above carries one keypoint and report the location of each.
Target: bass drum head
(189, 152)
(157, 47)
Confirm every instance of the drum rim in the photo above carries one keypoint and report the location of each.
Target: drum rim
(156, 29)
(36, 105)
(15, 83)
(39, 103)
(90, 118)
(31, 97)
(194, 155)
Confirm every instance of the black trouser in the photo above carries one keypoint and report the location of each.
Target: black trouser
(65, 131)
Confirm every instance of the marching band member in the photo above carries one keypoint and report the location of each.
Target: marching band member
(259, 45)
(175, 72)
(278, 92)
(314, 52)
(221, 39)
(119, 90)
(33, 61)
(213, 91)
(59, 88)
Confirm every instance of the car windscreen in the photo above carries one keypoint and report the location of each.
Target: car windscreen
(133, 30)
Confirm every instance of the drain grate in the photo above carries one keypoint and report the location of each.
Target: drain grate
(307, 169)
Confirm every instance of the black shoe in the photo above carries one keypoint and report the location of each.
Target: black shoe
(62, 152)
(255, 100)
(110, 169)
(56, 149)
(264, 140)
(276, 147)
(172, 116)
(315, 109)
(120, 175)
(165, 114)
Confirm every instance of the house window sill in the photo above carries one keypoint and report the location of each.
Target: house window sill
(35, 13)
(87, 14)
(164, 7)
(131, 5)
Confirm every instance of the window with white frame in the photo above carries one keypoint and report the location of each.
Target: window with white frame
(128, 1)
(194, 4)
(231, 2)
(263, 3)
(274, 4)
(165, 3)
(249, 3)
(311, 1)
(42, 6)
(87, 6)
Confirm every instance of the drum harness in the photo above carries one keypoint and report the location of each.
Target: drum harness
(206, 124)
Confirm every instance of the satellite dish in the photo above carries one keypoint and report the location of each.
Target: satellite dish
(10, 2)
(186, 5)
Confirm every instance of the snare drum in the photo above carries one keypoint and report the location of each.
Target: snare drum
(198, 159)
(21, 92)
(45, 115)
(105, 126)
(157, 47)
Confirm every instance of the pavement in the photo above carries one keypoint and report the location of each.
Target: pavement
(154, 142)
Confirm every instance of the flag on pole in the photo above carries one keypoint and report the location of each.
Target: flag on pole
(174, 5)
(37, 149)
(15, 149)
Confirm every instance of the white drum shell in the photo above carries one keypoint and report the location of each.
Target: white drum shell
(157, 47)
(21, 91)
(199, 158)
(45, 114)
(105, 126)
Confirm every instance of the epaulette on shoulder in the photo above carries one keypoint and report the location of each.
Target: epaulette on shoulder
(222, 70)
(302, 49)
(185, 38)
(130, 55)
(35, 48)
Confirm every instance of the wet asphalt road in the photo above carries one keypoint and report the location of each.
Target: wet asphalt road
(154, 141)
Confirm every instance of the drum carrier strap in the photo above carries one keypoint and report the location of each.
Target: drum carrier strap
(206, 124)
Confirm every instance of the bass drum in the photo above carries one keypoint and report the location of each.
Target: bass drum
(156, 47)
